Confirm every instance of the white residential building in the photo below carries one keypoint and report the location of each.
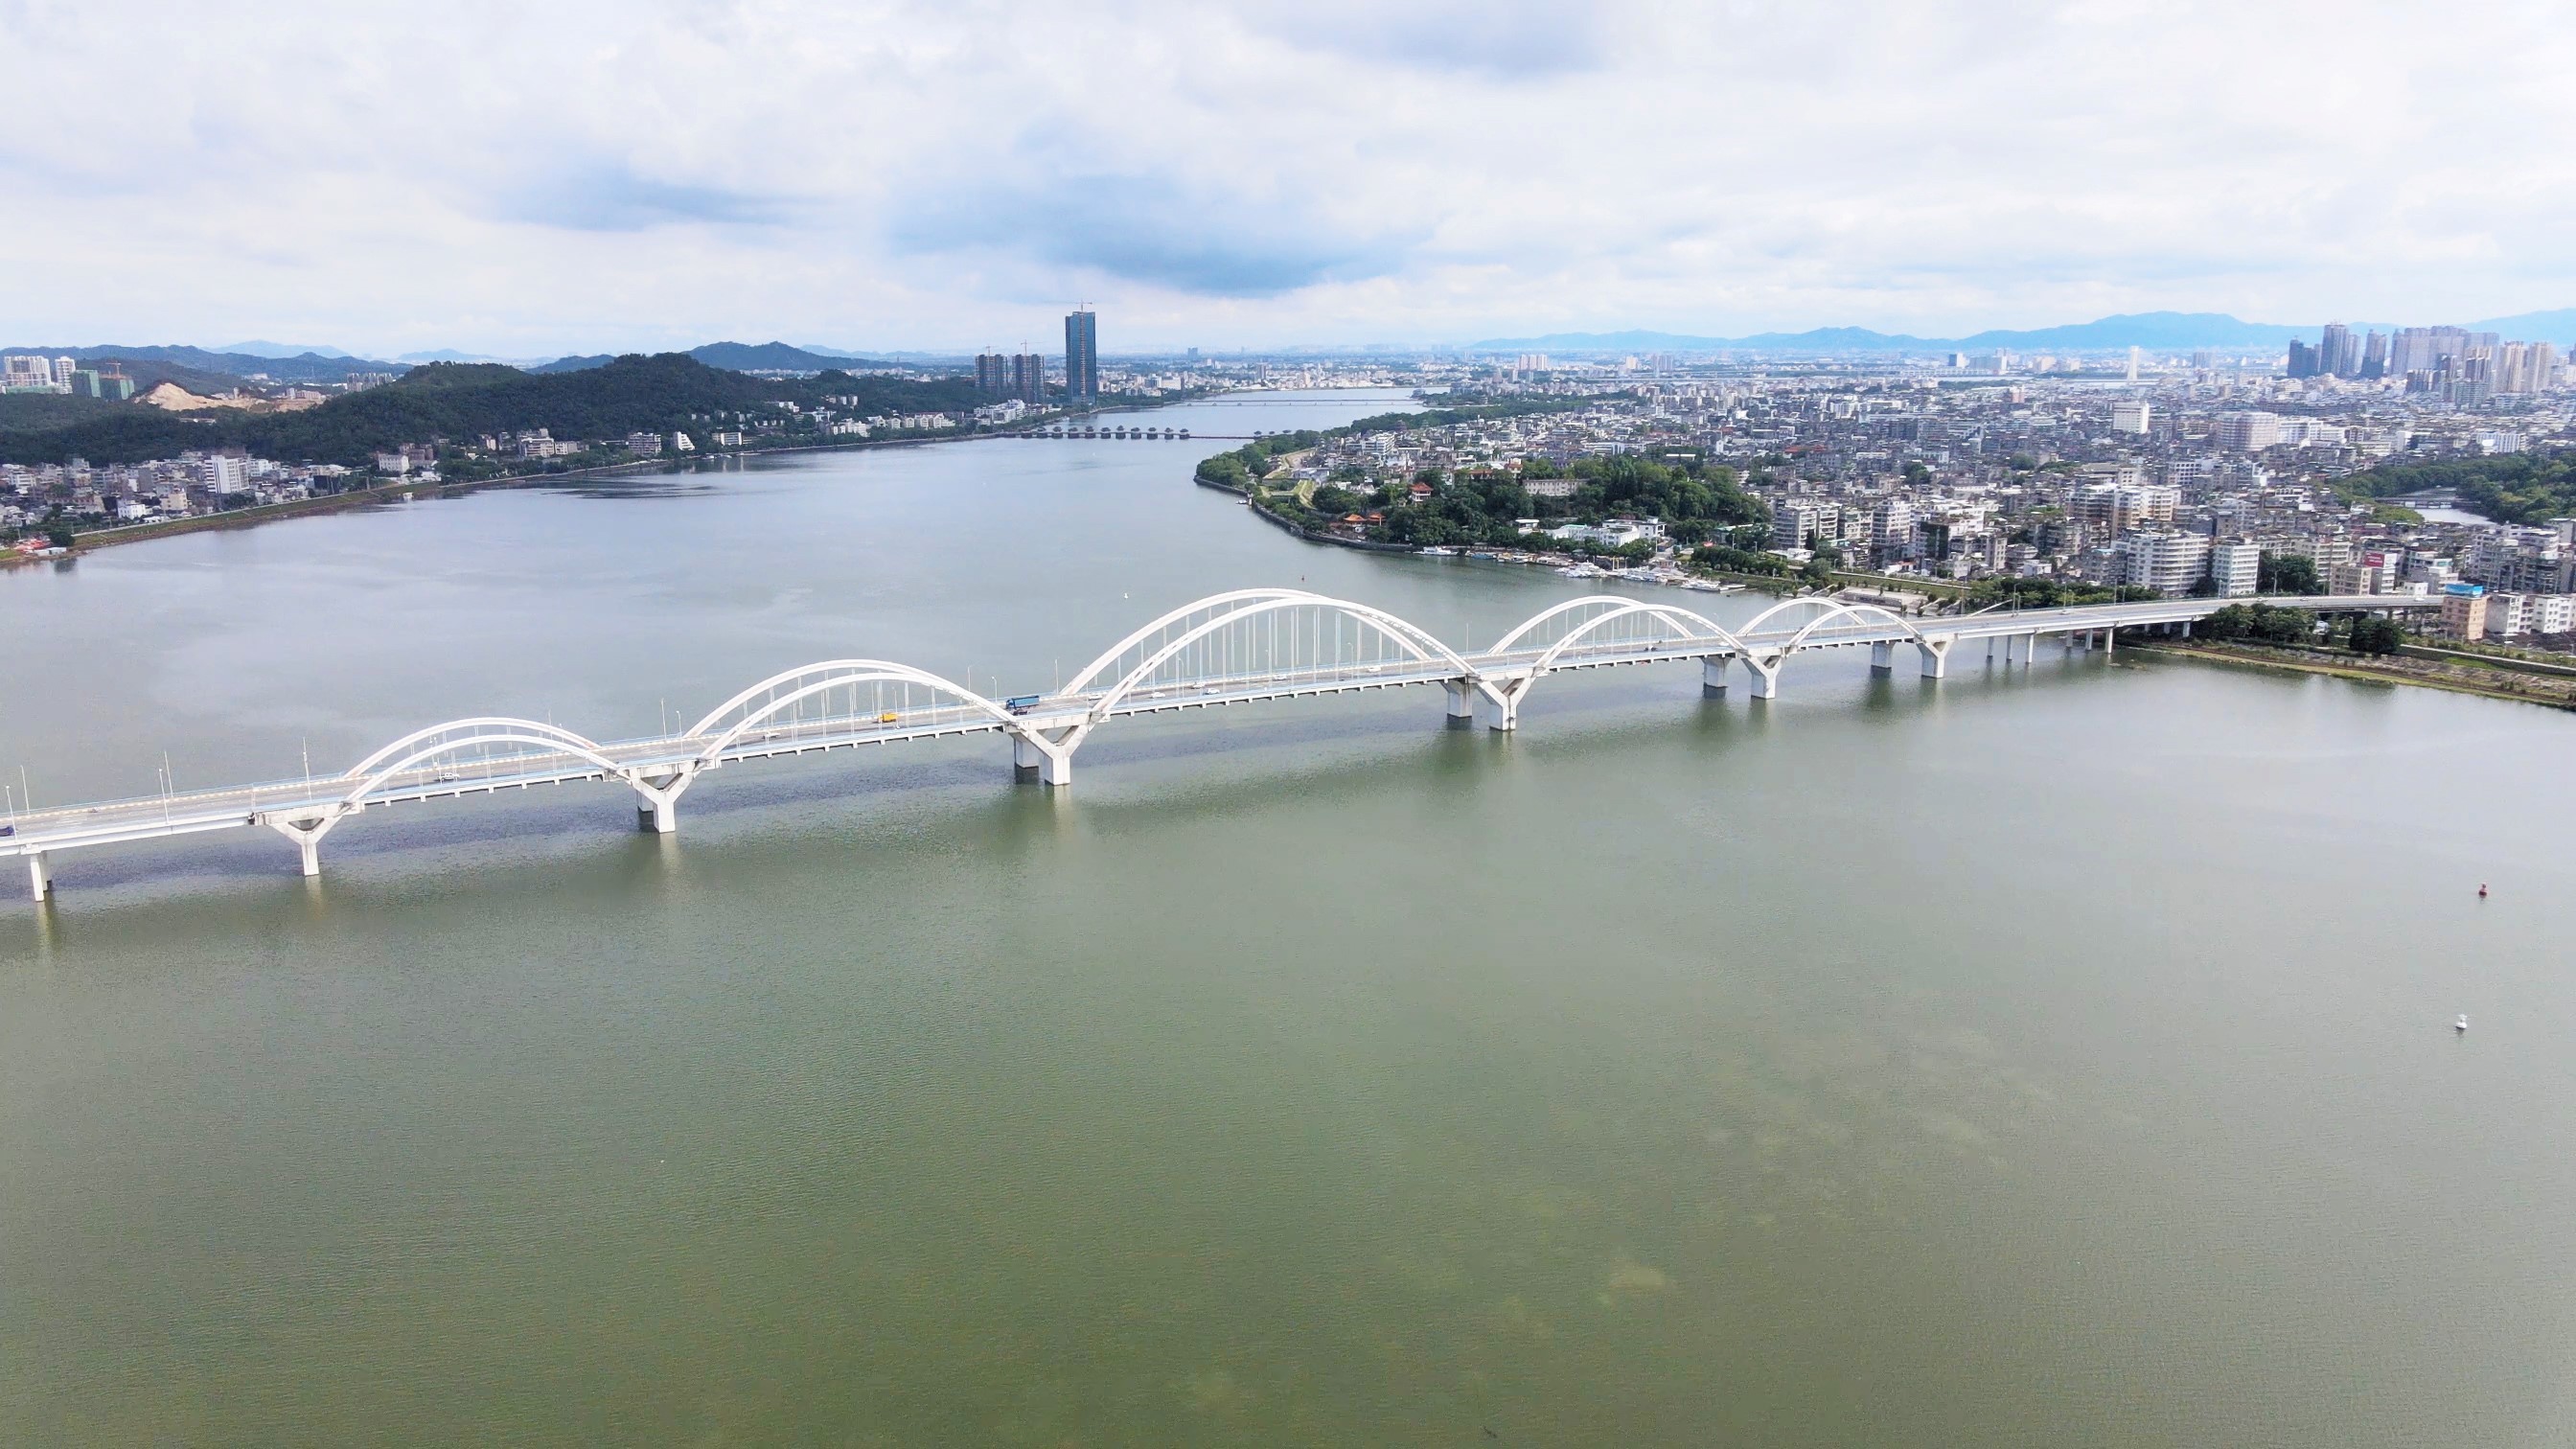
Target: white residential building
(2248, 432)
(2235, 568)
(2169, 563)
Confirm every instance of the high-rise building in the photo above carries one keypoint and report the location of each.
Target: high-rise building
(2339, 352)
(2305, 361)
(2374, 356)
(2433, 349)
(992, 373)
(2248, 432)
(2526, 367)
(2131, 417)
(2169, 563)
(2233, 567)
(1028, 377)
(1081, 357)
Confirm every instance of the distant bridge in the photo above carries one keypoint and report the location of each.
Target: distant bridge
(1234, 648)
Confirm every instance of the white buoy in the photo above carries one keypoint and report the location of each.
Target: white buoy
(2462, 1024)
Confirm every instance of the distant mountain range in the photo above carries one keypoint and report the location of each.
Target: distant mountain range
(202, 369)
(735, 357)
(150, 364)
(277, 349)
(2165, 331)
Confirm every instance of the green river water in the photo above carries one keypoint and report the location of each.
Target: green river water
(2048, 1057)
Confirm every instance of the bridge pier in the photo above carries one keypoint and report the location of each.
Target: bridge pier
(1462, 703)
(40, 876)
(1051, 761)
(657, 804)
(1501, 713)
(1766, 676)
(1935, 655)
(1712, 675)
(1882, 657)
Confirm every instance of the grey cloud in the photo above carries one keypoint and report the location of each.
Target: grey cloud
(1145, 229)
(614, 198)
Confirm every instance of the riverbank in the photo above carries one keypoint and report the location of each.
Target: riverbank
(2490, 682)
(396, 489)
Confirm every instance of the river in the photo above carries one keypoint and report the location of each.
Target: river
(2052, 1057)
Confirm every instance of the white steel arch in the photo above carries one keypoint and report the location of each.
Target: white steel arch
(546, 739)
(821, 678)
(554, 735)
(1840, 610)
(1609, 605)
(1110, 656)
(1409, 637)
(1686, 623)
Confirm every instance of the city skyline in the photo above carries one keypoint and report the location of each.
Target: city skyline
(1448, 174)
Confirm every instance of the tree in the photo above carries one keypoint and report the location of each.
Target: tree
(58, 536)
(2262, 623)
(2287, 573)
(1336, 501)
(2376, 636)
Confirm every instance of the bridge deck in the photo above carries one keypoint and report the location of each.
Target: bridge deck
(35, 832)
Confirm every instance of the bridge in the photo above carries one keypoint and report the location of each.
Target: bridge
(1233, 648)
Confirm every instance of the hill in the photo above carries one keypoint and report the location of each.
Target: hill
(733, 357)
(193, 367)
(2557, 326)
(468, 400)
(36, 412)
(281, 349)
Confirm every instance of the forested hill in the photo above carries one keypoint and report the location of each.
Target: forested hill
(737, 356)
(2527, 488)
(631, 394)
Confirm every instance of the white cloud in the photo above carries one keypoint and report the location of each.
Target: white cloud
(527, 179)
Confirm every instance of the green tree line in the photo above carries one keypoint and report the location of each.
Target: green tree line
(463, 401)
(2525, 488)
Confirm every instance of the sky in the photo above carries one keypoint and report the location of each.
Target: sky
(528, 179)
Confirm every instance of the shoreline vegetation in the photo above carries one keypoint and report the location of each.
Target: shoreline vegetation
(2498, 679)
(397, 489)
(1694, 503)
